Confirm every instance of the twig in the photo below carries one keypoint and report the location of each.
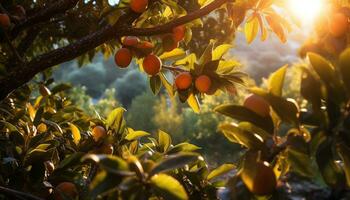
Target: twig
(18, 193)
(171, 68)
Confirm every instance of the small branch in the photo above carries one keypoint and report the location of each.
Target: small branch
(18, 193)
(44, 14)
(167, 27)
(171, 68)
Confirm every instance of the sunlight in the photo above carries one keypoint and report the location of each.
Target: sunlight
(306, 10)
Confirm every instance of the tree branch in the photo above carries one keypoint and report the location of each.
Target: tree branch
(22, 74)
(18, 193)
(44, 14)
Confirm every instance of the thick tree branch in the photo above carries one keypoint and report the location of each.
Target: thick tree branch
(22, 74)
(44, 14)
(18, 193)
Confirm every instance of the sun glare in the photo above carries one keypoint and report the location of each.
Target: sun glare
(306, 10)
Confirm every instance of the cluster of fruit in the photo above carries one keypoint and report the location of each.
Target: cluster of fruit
(17, 13)
(69, 189)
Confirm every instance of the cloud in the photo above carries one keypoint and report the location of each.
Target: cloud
(261, 58)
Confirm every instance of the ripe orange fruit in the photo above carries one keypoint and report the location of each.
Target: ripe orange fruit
(106, 149)
(98, 132)
(152, 64)
(262, 181)
(183, 81)
(338, 24)
(123, 57)
(179, 33)
(5, 21)
(169, 43)
(203, 83)
(257, 104)
(131, 41)
(66, 188)
(138, 6)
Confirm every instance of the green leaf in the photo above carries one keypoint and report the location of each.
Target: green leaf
(244, 114)
(236, 135)
(70, 160)
(220, 51)
(111, 164)
(103, 182)
(134, 135)
(206, 56)
(286, 109)
(344, 153)
(223, 169)
(188, 61)
(323, 68)
(328, 75)
(173, 162)
(344, 63)
(311, 89)
(164, 141)
(331, 172)
(183, 147)
(193, 103)
(300, 163)
(168, 187)
(75, 132)
(155, 84)
(251, 28)
(167, 85)
(60, 87)
(276, 80)
(115, 118)
(174, 54)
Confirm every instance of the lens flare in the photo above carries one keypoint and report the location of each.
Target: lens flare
(306, 10)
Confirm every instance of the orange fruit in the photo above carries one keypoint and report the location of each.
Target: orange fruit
(203, 83)
(263, 181)
(338, 24)
(66, 188)
(138, 6)
(98, 132)
(5, 21)
(183, 81)
(152, 64)
(169, 43)
(123, 57)
(131, 41)
(257, 104)
(179, 33)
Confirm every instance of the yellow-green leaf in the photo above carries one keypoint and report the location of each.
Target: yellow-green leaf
(220, 51)
(167, 85)
(75, 132)
(251, 28)
(276, 80)
(174, 54)
(168, 187)
(193, 103)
